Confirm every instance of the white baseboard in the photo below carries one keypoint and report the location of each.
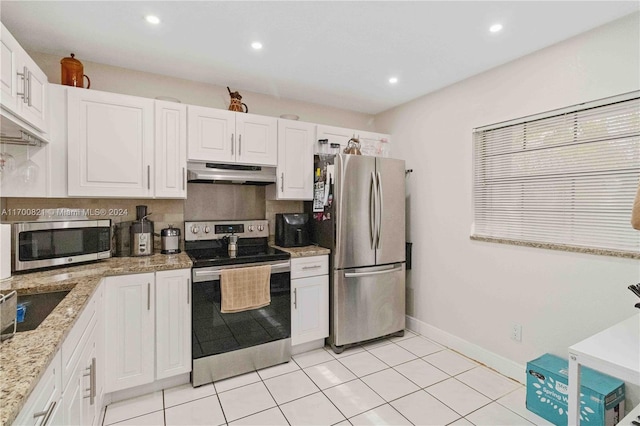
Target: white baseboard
(306, 347)
(156, 386)
(492, 360)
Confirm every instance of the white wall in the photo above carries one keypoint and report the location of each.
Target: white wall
(137, 83)
(475, 290)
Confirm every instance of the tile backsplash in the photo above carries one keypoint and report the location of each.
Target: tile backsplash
(204, 202)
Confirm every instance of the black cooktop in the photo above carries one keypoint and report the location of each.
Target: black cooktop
(218, 255)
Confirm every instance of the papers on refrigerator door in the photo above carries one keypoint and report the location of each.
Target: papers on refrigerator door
(318, 197)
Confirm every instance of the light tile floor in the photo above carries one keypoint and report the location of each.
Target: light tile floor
(397, 381)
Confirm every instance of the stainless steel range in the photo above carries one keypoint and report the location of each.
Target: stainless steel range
(228, 344)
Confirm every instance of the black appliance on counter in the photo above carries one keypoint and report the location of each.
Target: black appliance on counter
(292, 230)
(229, 344)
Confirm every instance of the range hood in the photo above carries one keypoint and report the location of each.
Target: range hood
(199, 172)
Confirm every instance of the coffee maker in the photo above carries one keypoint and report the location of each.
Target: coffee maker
(141, 233)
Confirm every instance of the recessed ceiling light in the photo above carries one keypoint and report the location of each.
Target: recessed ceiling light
(256, 45)
(495, 28)
(152, 19)
(393, 80)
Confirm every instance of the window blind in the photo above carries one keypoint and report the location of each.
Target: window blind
(568, 178)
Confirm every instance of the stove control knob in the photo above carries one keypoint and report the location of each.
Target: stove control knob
(260, 227)
(194, 229)
(250, 228)
(207, 229)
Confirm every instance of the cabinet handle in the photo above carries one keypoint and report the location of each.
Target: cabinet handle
(184, 180)
(282, 182)
(25, 85)
(46, 414)
(240, 144)
(92, 381)
(148, 177)
(232, 143)
(148, 296)
(312, 267)
(188, 290)
(295, 298)
(28, 86)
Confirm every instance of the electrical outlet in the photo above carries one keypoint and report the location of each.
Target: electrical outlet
(516, 332)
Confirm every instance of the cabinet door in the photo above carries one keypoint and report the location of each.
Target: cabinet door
(110, 144)
(295, 160)
(211, 135)
(34, 110)
(336, 135)
(170, 150)
(310, 309)
(129, 329)
(10, 82)
(257, 139)
(78, 396)
(173, 323)
(44, 402)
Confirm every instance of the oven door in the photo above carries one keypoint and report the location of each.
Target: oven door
(215, 333)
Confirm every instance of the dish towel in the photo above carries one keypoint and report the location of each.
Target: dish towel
(635, 214)
(243, 289)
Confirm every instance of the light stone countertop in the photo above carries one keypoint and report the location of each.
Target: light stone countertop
(25, 356)
(305, 251)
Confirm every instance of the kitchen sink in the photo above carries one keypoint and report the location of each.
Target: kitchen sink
(38, 307)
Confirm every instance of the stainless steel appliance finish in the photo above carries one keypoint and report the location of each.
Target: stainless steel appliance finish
(170, 240)
(364, 226)
(228, 344)
(58, 243)
(141, 235)
(200, 172)
(230, 364)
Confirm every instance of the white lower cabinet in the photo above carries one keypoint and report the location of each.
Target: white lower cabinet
(144, 346)
(309, 299)
(173, 323)
(130, 318)
(43, 406)
(82, 366)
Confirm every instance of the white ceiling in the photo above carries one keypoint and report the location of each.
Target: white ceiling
(339, 54)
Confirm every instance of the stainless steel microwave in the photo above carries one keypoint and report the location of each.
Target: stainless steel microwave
(46, 244)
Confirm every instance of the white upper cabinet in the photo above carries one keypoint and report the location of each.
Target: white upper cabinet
(110, 144)
(211, 134)
(23, 85)
(375, 144)
(335, 135)
(170, 150)
(295, 161)
(223, 136)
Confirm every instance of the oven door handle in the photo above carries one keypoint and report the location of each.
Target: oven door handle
(278, 267)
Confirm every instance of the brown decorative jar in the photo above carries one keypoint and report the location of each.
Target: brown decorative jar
(73, 72)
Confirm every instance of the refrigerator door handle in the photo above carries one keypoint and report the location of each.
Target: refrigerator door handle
(366, 274)
(380, 209)
(373, 194)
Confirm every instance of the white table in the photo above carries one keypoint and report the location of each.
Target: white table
(614, 351)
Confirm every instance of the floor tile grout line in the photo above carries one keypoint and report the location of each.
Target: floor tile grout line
(325, 395)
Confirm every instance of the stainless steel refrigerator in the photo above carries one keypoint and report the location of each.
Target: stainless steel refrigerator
(359, 213)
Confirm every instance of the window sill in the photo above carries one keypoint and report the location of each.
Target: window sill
(560, 247)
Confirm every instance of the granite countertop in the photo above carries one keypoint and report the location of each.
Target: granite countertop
(305, 251)
(25, 356)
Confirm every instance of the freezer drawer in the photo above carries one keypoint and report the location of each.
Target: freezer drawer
(367, 303)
